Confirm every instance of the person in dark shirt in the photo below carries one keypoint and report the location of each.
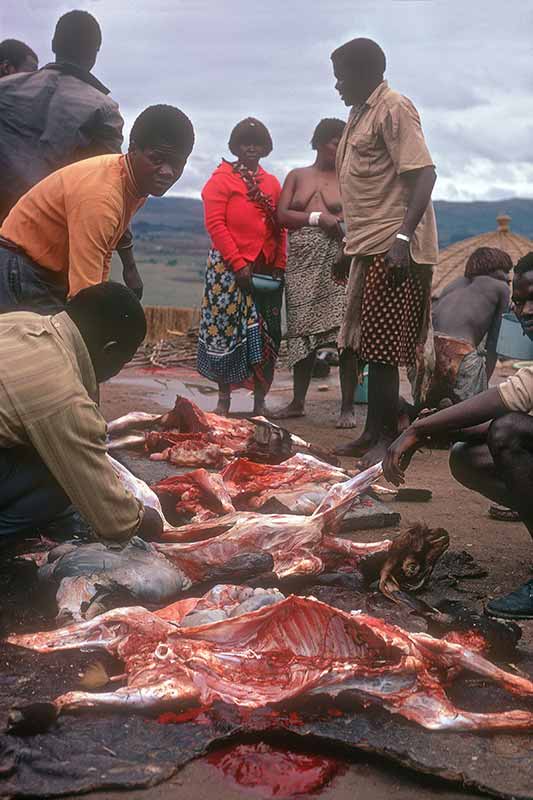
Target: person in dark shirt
(16, 56)
(59, 115)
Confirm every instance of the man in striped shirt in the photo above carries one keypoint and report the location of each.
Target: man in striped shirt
(52, 434)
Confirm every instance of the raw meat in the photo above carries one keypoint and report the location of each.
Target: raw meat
(299, 545)
(192, 437)
(186, 449)
(199, 493)
(296, 647)
(91, 578)
(300, 483)
(187, 417)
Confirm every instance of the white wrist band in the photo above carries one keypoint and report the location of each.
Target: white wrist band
(314, 218)
(403, 237)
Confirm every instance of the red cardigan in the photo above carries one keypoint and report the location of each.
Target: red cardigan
(237, 227)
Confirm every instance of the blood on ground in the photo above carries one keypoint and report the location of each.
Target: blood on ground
(270, 771)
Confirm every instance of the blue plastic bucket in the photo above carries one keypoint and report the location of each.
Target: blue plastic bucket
(361, 392)
(512, 343)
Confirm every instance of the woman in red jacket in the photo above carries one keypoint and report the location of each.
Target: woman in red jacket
(240, 329)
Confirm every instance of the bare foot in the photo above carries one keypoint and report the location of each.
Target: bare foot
(357, 447)
(376, 453)
(260, 409)
(223, 406)
(287, 412)
(347, 419)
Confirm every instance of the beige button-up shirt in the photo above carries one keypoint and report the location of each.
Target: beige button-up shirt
(517, 391)
(48, 393)
(382, 140)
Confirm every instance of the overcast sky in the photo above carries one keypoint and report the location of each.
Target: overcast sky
(467, 65)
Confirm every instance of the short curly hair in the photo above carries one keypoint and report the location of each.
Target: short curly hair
(486, 260)
(524, 264)
(326, 130)
(76, 32)
(361, 55)
(162, 124)
(250, 129)
(14, 52)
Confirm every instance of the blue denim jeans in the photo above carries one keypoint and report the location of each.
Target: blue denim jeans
(25, 286)
(30, 496)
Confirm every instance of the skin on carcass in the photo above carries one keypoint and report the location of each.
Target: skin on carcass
(299, 545)
(295, 647)
(135, 420)
(89, 575)
(137, 487)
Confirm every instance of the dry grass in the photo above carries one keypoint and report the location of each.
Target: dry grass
(164, 322)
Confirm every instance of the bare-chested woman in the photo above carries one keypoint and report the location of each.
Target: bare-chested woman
(310, 207)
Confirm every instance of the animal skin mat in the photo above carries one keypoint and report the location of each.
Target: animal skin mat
(117, 752)
(106, 751)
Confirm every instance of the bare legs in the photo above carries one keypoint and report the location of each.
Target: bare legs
(302, 374)
(224, 399)
(501, 469)
(348, 380)
(382, 415)
(301, 378)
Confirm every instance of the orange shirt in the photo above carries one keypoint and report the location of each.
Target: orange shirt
(71, 221)
(382, 140)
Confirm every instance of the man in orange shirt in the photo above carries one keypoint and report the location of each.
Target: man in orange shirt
(59, 237)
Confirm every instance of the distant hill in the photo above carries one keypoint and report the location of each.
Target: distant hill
(458, 221)
(171, 243)
(181, 218)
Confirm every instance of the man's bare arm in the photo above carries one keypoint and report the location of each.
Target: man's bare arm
(481, 408)
(420, 183)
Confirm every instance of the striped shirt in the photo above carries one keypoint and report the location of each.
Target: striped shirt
(48, 400)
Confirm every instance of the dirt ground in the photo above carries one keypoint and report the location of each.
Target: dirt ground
(504, 549)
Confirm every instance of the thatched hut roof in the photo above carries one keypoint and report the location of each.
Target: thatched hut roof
(452, 259)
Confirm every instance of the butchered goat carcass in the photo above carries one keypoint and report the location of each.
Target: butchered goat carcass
(296, 647)
(297, 485)
(188, 436)
(301, 545)
(235, 547)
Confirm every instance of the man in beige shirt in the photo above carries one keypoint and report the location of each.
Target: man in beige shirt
(386, 177)
(52, 434)
(494, 454)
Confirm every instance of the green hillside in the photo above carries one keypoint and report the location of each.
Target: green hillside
(171, 243)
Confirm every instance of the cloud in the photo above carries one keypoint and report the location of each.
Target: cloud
(466, 65)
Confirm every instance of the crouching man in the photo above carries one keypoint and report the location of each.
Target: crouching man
(52, 434)
(494, 453)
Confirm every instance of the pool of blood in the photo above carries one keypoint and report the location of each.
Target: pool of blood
(269, 771)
